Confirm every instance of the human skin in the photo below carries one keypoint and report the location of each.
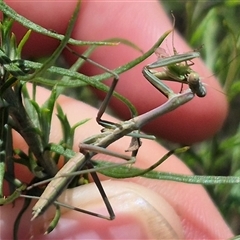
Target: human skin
(187, 208)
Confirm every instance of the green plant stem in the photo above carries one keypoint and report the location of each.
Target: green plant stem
(27, 130)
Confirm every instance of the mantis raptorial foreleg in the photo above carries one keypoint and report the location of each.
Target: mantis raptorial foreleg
(176, 69)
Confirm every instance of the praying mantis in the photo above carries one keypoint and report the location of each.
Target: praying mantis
(113, 132)
(155, 73)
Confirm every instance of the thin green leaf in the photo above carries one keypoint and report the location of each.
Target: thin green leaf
(51, 60)
(22, 42)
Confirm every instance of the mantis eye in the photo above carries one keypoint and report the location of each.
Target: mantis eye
(196, 85)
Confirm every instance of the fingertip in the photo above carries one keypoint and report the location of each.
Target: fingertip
(140, 214)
